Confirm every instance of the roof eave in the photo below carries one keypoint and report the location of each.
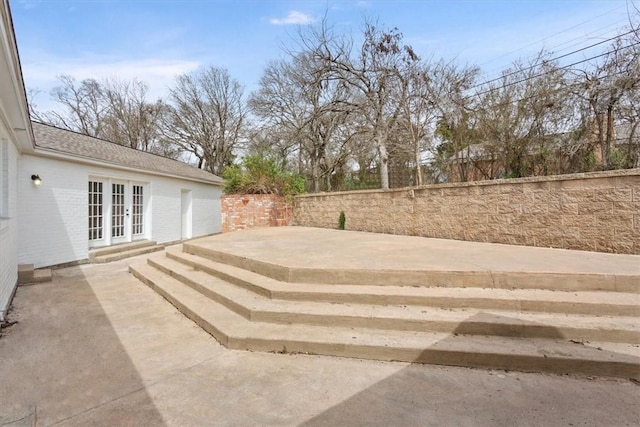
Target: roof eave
(48, 152)
(14, 108)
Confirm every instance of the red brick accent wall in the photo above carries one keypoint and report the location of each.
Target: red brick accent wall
(240, 211)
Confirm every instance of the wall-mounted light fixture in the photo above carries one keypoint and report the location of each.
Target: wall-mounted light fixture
(36, 180)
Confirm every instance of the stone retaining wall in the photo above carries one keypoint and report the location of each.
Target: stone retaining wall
(597, 211)
(240, 211)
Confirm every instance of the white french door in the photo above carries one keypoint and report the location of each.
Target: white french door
(120, 213)
(137, 211)
(96, 213)
(116, 212)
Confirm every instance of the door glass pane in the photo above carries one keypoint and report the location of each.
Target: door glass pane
(95, 210)
(137, 210)
(117, 209)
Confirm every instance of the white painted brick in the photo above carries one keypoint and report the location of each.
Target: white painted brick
(53, 218)
(8, 226)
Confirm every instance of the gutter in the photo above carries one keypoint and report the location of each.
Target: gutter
(22, 132)
(48, 152)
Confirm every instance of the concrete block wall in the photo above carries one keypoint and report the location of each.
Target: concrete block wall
(240, 211)
(597, 211)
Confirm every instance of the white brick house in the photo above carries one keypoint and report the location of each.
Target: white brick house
(90, 192)
(15, 139)
(95, 193)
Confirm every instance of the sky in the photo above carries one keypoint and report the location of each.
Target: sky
(156, 40)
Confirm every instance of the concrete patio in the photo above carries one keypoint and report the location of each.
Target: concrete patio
(327, 249)
(98, 347)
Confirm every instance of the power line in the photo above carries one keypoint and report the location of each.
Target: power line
(540, 74)
(589, 36)
(596, 34)
(555, 59)
(557, 34)
(551, 91)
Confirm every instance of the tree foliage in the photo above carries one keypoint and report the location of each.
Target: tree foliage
(205, 117)
(262, 175)
(348, 114)
(111, 109)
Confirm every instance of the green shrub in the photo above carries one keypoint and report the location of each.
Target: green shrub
(234, 179)
(261, 175)
(341, 220)
(589, 163)
(617, 158)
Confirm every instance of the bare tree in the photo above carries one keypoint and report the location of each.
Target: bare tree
(278, 105)
(84, 106)
(604, 86)
(629, 135)
(112, 109)
(331, 105)
(519, 115)
(206, 117)
(267, 141)
(456, 126)
(131, 119)
(373, 78)
(300, 98)
(419, 111)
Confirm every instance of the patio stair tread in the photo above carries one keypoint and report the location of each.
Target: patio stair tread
(403, 317)
(551, 355)
(374, 272)
(120, 247)
(116, 256)
(578, 302)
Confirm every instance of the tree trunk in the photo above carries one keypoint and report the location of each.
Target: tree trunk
(315, 174)
(300, 164)
(384, 164)
(606, 147)
(418, 167)
(632, 151)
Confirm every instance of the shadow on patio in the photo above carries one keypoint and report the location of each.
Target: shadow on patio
(64, 358)
(414, 396)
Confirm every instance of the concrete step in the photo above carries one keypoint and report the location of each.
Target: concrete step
(532, 354)
(107, 250)
(116, 256)
(400, 317)
(517, 300)
(42, 275)
(627, 283)
(27, 275)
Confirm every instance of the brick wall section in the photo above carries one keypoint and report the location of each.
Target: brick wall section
(597, 211)
(240, 211)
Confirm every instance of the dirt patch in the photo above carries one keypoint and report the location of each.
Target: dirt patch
(10, 320)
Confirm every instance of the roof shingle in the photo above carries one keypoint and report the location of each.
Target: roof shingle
(76, 144)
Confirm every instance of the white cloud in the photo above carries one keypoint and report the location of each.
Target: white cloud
(158, 74)
(143, 69)
(293, 18)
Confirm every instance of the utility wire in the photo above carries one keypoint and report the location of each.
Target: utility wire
(557, 34)
(539, 74)
(550, 92)
(556, 58)
(593, 35)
